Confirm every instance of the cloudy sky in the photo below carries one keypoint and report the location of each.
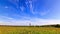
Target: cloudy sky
(23, 12)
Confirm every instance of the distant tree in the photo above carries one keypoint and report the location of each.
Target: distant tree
(29, 24)
(57, 25)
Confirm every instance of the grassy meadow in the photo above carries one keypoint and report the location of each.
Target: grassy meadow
(28, 30)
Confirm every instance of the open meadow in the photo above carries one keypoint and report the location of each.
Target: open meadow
(28, 30)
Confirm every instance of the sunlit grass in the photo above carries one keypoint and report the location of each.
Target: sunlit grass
(29, 30)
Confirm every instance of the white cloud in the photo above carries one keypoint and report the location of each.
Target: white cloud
(45, 12)
(31, 6)
(33, 21)
(6, 17)
(6, 7)
(14, 2)
(22, 8)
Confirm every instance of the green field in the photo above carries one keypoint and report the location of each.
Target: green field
(28, 30)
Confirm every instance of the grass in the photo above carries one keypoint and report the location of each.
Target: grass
(28, 30)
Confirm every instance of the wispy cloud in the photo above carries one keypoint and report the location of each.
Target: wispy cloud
(30, 2)
(33, 21)
(54, 11)
(14, 2)
(45, 12)
(31, 6)
(6, 6)
(22, 8)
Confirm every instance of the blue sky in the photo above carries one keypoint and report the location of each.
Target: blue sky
(23, 12)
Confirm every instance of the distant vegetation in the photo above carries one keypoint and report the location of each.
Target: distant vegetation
(56, 25)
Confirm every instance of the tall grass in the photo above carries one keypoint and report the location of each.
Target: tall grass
(29, 30)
